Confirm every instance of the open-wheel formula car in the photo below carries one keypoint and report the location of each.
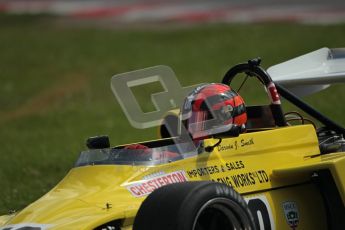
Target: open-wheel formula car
(272, 175)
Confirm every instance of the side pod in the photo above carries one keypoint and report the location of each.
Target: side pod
(327, 172)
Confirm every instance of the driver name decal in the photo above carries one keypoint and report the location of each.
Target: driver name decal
(145, 187)
(236, 144)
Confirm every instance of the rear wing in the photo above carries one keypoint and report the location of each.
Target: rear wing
(312, 72)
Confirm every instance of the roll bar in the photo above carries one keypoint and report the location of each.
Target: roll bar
(252, 68)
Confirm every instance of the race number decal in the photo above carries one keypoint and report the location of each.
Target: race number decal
(26, 226)
(261, 211)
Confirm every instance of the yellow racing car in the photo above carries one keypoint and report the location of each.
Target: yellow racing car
(256, 172)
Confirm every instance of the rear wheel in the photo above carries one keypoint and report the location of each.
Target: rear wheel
(194, 206)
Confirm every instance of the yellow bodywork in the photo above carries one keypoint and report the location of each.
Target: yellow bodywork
(273, 166)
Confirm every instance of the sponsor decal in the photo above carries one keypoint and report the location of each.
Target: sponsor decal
(219, 173)
(244, 179)
(215, 169)
(26, 226)
(291, 214)
(149, 184)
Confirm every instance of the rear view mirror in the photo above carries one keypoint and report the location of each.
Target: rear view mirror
(98, 142)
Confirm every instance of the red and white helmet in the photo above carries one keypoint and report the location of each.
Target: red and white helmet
(211, 109)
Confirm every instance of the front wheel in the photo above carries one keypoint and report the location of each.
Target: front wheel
(202, 205)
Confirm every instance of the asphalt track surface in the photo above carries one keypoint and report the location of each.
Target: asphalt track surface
(178, 11)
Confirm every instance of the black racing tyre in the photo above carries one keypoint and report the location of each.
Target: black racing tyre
(202, 205)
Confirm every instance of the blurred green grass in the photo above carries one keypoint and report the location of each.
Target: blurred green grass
(55, 84)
